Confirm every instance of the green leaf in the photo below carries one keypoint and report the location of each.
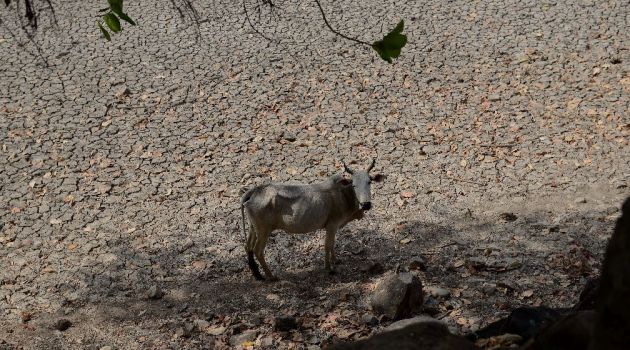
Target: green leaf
(112, 22)
(399, 28)
(390, 46)
(116, 6)
(105, 33)
(126, 18)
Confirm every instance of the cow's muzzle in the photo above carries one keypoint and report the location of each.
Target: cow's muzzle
(366, 206)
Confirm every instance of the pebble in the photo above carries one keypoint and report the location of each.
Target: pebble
(246, 336)
(438, 292)
(155, 292)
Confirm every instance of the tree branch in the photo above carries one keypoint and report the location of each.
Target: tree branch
(336, 32)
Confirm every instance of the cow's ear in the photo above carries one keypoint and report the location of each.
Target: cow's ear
(377, 178)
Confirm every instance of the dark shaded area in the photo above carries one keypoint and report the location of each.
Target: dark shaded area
(429, 336)
(523, 321)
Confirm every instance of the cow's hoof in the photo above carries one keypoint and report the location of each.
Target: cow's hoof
(272, 279)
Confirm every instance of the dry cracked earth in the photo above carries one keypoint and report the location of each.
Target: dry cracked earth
(503, 131)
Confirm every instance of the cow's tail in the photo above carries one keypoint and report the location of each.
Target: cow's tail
(253, 266)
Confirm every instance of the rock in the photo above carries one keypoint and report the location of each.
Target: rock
(285, 324)
(201, 325)
(313, 347)
(417, 263)
(247, 336)
(397, 296)
(438, 292)
(494, 97)
(155, 293)
(369, 320)
(580, 200)
(489, 288)
(410, 321)
(106, 347)
(508, 216)
(266, 342)
(424, 335)
(185, 330)
(216, 330)
(431, 306)
(62, 324)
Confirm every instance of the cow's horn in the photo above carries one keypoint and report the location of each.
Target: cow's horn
(347, 168)
(371, 165)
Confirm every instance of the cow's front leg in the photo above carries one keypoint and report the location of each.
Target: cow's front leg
(329, 248)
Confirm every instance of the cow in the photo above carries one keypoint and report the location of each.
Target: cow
(328, 205)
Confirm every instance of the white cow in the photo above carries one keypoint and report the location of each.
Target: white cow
(329, 205)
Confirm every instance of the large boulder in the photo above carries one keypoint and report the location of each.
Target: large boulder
(397, 296)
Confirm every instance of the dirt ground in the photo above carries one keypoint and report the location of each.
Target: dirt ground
(502, 130)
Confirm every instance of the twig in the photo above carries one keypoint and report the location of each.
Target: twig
(500, 145)
(252, 25)
(336, 32)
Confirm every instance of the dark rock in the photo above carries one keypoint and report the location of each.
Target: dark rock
(397, 296)
(418, 263)
(285, 324)
(62, 324)
(424, 335)
(369, 320)
(508, 216)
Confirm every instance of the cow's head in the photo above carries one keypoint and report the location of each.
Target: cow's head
(361, 181)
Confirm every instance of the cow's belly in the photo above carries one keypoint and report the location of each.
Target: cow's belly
(304, 216)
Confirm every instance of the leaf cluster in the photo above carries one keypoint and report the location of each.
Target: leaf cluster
(112, 18)
(389, 47)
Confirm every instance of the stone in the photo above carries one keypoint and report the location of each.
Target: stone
(106, 347)
(410, 321)
(285, 324)
(397, 296)
(580, 200)
(369, 320)
(418, 263)
(201, 325)
(247, 336)
(62, 324)
(438, 292)
(155, 292)
(508, 217)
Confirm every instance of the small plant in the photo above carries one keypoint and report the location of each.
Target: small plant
(112, 18)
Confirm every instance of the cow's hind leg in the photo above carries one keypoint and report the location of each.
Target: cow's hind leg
(329, 249)
(249, 249)
(259, 250)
